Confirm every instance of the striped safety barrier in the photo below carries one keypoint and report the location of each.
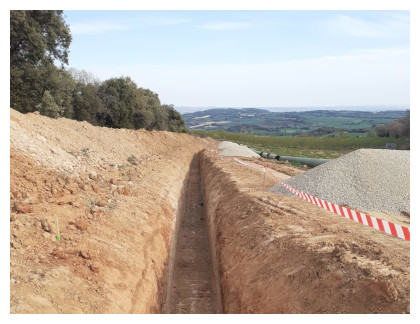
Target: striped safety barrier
(362, 218)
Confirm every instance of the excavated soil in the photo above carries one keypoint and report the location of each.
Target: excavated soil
(152, 222)
(279, 254)
(115, 194)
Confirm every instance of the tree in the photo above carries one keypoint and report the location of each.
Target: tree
(39, 43)
(48, 106)
(397, 128)
(120, 100)
(37, 39)
(82, 76)
(86, 103)
(175, 121)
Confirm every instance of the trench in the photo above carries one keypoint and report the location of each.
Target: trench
(192, 286)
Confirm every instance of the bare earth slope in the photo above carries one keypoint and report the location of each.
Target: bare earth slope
(132, 223)
(115, 194)
(279, 254)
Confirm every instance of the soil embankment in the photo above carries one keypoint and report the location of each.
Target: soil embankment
(149, 222)
(279, 254)
(114, 197)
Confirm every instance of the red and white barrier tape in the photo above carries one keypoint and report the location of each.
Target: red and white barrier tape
(362, 218)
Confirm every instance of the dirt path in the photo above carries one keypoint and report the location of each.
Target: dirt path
(193, 288)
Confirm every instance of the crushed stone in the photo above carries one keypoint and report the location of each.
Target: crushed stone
(226, 144)
(367, 179)
(233, 149)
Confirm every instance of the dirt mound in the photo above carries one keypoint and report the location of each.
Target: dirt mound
(278, 254)
(132, 226)
(112, 195)
(367, 179)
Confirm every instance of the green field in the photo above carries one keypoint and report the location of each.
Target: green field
(314, 123)
(313, 147)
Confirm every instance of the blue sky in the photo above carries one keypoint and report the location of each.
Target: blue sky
(250, 58)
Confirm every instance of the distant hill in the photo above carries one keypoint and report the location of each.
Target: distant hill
(312, 123)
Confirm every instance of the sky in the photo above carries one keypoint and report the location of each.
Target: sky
(274, 58)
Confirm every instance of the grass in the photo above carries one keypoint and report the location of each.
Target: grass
(312, 147)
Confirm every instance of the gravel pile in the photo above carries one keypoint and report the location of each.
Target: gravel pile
(233, 149)
(227, 144)
(366, 179)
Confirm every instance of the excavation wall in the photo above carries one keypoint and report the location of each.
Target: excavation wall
(112, 195)
(191, 283)
(122, 221)
(277, 254)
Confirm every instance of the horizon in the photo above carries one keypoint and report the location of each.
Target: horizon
(371, 108)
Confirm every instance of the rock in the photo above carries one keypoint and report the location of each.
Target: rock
(81, 224)
(95, 209)
(84, 254)
(46, 225)
(67, 199)
(72, 188)
(125, 191)
(93, 175)
(75, 204)
(60, 254)
(47, 235)
(94, 187)
(93, 267)
(101, 203)
(337, 252)
(24, 208)
(82, 185)
(116, 182)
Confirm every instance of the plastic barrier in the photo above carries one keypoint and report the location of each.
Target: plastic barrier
(362, 218)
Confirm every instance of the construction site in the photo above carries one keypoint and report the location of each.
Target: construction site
(117, 221)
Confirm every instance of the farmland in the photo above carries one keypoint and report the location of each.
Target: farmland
(311, 123)
(315, 147)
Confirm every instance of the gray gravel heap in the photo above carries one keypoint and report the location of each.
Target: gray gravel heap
(239, 151)
(227, 144)
(366, 179)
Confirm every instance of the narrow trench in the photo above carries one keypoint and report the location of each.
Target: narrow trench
(192, 284)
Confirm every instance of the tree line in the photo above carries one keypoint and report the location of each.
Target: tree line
(39, 81)
(397, 129)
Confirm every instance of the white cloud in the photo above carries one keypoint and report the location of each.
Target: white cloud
(376, 77)
(352, 26)
(226, 26)
(95, 28)
(160, 21)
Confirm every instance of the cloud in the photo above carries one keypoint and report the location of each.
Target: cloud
(159, 21)
(375, 77)
(226, 26)
(95, 28)
(370, 54)
(395, 23)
